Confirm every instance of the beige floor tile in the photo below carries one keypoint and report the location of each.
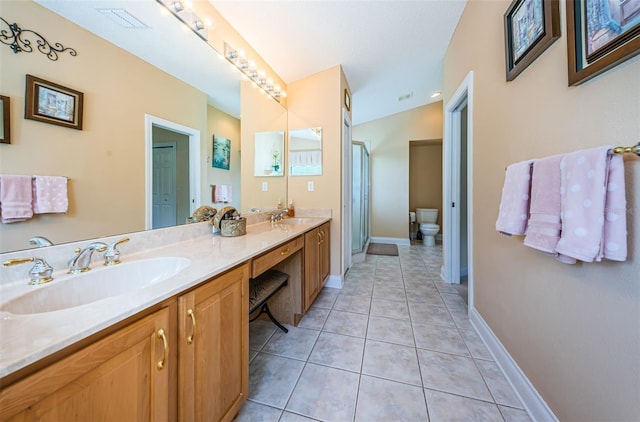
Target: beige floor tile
(295, 344)
(453, 374)
(272, 379)
(293, 417)
(435, 315)
(391, 361)
(498, 384)
(347, 323)
(439, 338)
(514, 415)
(260, 332)
(444, 407)
(338, 351)
(390, 330)
(476, 346)
(314, 318)
(325, 393)
(256, 412)
(384, 400)
(357, 304)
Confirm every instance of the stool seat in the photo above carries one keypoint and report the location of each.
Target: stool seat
(262, 288)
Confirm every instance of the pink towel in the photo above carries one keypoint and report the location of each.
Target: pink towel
(50, 195)
(586, 189)
(614, 244)
(543, 228)
(15, 198)
(222, 193)
(514, 205)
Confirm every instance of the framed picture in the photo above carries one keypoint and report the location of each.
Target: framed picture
(52, 103)
(221, 152)
(5, 121)
(530, 27)
(601, 35)
(347, 100)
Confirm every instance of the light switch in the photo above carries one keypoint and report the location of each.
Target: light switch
(265, 186)
(310, 186)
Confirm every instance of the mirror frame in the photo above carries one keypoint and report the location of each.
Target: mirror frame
(5, 130)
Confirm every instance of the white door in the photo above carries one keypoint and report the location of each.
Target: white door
(164, 185)
(347, 195)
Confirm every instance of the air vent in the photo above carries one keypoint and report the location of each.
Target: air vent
(405, 96)
(122, 18)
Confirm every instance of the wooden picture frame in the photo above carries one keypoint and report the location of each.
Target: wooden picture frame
(52, 103)
(347, 100)
(600, 38)
(530, 27)
(5, 129)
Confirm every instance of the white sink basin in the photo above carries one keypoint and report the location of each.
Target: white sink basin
(299, 220)
(96, 284)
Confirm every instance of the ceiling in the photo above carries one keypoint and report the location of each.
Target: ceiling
(388, 49)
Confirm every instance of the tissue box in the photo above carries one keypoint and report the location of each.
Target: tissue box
(231, 228)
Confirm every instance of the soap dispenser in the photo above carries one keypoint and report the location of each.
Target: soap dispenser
(292, 211)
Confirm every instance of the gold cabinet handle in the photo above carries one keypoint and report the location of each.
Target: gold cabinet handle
(286, 251)
(162, 335)
(193, 324)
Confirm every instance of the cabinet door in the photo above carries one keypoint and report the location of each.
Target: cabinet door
(325, 253)
(214, 348)
(118, 378)
(311, 267)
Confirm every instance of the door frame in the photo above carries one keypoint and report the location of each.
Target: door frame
(347, 193)
(194, 163)
(451, 184)
(174, 146)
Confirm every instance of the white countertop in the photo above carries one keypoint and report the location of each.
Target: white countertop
(25, 339)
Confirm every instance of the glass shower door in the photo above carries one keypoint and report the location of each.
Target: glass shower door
(360, 200)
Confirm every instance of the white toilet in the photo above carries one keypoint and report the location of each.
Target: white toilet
(427, 218)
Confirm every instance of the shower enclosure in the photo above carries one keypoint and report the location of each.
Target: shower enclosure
(360, 200)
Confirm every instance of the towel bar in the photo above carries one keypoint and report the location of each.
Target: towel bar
(624, 150)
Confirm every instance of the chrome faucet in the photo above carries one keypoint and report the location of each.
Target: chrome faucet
(81, 262)
(39, 273)
(40, 241)
(112, 255)
(278, 215)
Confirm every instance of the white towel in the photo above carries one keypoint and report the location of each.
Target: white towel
(50, 195)
(514, 205)
(222, 193)
(15, 198)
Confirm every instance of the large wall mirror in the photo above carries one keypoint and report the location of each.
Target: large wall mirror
(269, 154)
(305, 152)
(105, 162)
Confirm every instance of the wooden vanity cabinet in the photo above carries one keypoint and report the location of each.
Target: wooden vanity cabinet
(316, 262)
(117, 378)
(214, 348)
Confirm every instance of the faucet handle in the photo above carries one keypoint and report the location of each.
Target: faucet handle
(112, 255)
(40, 272)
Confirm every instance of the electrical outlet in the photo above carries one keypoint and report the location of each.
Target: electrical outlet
(310, 186)
(265, 186)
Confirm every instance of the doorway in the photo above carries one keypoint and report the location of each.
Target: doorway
(186, 187)
(360, 203)
(458, 187)
(347, 195)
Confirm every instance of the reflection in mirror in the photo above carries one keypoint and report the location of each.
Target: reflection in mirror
(269, 147)
(305, 152)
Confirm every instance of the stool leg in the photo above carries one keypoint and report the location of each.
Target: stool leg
(265, 309)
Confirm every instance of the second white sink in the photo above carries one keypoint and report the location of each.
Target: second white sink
(97, 284)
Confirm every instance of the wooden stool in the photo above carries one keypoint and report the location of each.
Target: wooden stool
(261, 289)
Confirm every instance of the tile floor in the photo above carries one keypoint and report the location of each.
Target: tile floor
(394, 344)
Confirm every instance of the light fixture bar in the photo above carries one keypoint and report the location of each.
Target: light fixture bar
(248, 68)
(186, 16)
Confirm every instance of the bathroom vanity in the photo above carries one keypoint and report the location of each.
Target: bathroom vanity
(175, 350)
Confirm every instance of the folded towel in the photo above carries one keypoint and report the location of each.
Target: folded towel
(514, 205)
(585, 190)
(15, 198)
(50, 195)
(543, 227)
(614, 243)
(222, 193)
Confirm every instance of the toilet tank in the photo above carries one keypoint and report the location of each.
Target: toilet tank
(427, 215)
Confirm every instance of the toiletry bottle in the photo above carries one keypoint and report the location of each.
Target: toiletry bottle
(292, 211)
(279, 204)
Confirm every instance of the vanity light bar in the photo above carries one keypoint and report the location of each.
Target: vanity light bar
(187, 16)
(248, 68)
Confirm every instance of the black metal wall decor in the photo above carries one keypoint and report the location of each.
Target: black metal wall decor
(18, 40)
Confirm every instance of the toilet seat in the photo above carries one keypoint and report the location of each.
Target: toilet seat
(429, 226)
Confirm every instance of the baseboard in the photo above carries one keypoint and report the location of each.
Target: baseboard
(530, 398)
(334, 281)
(401, 241)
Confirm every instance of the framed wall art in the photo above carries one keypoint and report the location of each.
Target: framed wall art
(5, 120)
(52, 103)
(347, 100)
(221, 152)
(530, 27)
(601, 35)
